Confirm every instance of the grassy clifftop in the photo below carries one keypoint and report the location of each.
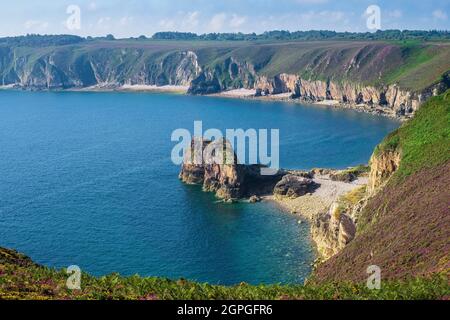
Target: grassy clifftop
(405, 228)
(423, 142)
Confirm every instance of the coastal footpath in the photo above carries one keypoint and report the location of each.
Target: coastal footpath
(387, 78)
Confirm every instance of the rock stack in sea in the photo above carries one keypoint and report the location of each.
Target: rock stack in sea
(218, 170)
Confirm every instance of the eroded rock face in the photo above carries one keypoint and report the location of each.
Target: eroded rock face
(332, 232)
(229, 180)
(192, 169)
(229, 74)
(390, 100)
(294, 186)
(109, 68)
(383, 166)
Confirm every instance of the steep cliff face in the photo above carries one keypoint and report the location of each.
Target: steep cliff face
(226, 75)
(389, 100)
(332, 232)
(404, 224)
(62, 69)
(383, 165)
(377, 77)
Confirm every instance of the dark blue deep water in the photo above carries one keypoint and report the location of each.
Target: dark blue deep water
(86, 179)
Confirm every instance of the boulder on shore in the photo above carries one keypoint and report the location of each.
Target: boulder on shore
(343, 176)
(294, 186)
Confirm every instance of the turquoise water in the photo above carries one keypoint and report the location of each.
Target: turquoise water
(86, 179)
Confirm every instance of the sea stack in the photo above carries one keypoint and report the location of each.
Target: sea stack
(218, 170)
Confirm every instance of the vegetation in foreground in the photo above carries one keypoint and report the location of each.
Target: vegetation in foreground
(20, 278)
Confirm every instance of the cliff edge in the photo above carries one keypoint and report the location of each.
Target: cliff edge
(404, 225)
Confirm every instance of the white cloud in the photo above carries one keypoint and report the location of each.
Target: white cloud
(328, 16)
(167, 24)
(396, 14)
(104, 23)
(92, 6)
(126, 20)
(308, 20)
(187, 22)
(217, 22)
(190, 20)
(237, 21)
(36, 25)
(439, 14)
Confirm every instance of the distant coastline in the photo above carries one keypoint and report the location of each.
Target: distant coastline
(247, 94)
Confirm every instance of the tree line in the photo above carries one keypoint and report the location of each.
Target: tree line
(277, 35)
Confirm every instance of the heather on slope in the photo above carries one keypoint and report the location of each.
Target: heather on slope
(405, 228)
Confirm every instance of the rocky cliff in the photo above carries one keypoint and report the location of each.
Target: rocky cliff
(384, 78)
(403, 225)
(63, 69)
(211, 167)
(334, 230)
(390, 100)
(383, 164)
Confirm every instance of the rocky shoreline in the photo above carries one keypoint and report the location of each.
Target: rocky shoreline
(245, 94)
(329, 199)
(363, 108)
(355, 76)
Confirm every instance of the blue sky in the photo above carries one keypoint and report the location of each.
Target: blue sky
(136, 17)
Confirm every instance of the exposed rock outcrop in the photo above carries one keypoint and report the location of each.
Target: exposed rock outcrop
(230, 74)
(332, 232)
(390, 100)
(344, 176)
(384, 163)
(108, 68)
(294, 186)
(229, 180)
(317, 72)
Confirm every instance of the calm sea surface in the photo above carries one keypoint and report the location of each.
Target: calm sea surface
(86, 179)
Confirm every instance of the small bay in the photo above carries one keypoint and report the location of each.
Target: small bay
(86, 179)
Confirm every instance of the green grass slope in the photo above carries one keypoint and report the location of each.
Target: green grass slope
(405, 228)
(424, 142)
